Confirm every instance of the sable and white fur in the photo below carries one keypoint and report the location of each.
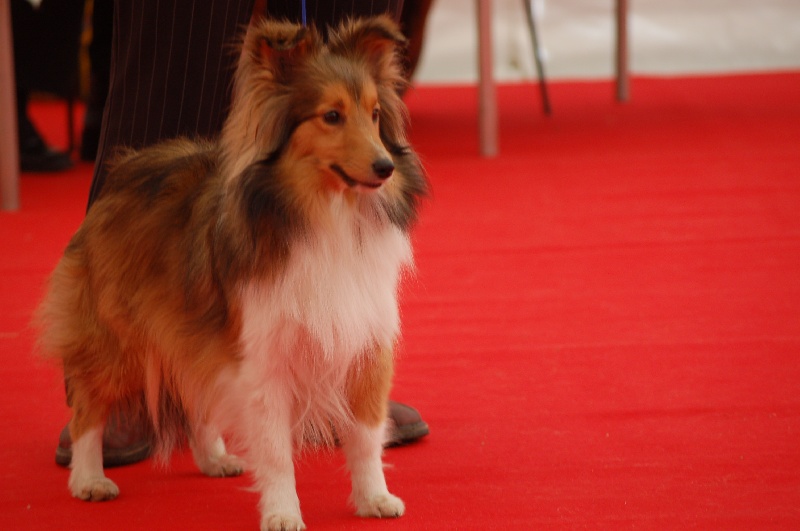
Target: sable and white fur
(249, 286)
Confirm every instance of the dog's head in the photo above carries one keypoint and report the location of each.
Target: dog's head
(326, 111)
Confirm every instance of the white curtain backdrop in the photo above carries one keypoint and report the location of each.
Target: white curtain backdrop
(667, 37)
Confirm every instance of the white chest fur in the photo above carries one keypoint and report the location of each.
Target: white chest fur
(336, 298)
(335, 301)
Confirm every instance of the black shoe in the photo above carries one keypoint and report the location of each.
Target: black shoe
(35, 155)
(47, 160)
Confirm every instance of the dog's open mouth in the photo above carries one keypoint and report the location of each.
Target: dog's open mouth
(349, 181)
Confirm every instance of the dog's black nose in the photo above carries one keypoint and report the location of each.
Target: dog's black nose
(383, 168)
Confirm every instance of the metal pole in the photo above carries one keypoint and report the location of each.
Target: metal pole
(9, 146)
(487, 97)
(537, 56)
(623, 81)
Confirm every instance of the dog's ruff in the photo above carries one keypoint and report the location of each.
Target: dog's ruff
(249, 286)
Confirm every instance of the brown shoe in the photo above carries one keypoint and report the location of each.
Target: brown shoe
(405, 425)
(124, 443)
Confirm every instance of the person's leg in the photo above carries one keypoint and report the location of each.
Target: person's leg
(412, 22)
(36, 69)
(100, 73)
(171, 67)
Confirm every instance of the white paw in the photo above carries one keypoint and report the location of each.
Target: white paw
(95, 489)
(226, 465)
(281, 522)
(381, 506)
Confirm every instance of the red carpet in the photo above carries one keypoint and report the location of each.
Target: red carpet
(604, 331)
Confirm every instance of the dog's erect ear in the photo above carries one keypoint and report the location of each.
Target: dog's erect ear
(377, 39)
(379, 42)
(279, 46)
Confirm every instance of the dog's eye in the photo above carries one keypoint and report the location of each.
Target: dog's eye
(332, 117)
(376, 114)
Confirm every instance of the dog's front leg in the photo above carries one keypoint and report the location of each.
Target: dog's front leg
(368, 389)
(269, 426)
(370, 495)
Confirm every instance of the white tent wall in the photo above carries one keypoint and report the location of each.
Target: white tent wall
(667, 37)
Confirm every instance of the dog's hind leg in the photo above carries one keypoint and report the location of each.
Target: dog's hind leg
(86, 480)
(368, 388)
(210, 453)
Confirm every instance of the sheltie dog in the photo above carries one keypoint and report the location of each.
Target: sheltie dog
(249, 286)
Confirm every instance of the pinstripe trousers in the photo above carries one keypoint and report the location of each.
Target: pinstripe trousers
(172, 63)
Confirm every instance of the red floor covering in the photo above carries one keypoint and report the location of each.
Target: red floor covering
(603, 333)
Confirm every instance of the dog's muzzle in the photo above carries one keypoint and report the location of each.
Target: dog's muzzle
(382, 169)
